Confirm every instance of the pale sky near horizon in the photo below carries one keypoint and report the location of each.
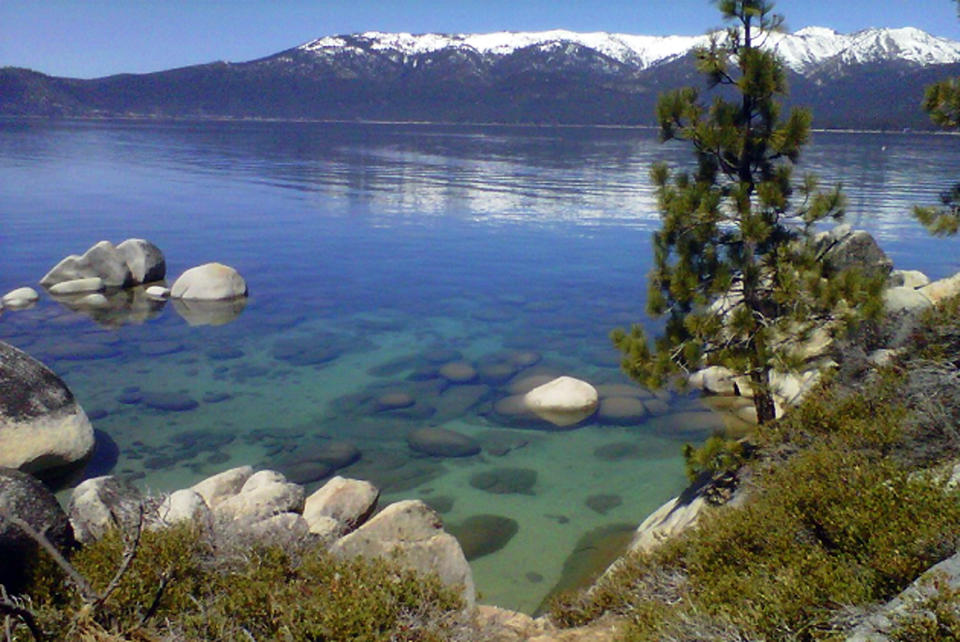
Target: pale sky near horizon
(92, 38)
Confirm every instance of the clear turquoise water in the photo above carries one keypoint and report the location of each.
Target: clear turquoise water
(387, 244)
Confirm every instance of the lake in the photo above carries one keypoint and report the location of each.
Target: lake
(375, 256)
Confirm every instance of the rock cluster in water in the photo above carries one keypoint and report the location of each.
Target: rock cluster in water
(116, 284)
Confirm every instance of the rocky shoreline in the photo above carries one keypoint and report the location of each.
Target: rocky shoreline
(43, 429)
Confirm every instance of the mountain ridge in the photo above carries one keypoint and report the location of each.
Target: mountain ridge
(869, 79)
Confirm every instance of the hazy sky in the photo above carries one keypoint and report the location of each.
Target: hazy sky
(89, 38)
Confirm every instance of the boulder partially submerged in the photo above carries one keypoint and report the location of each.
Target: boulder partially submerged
(209, 282)
(564, 401)
(42, 427)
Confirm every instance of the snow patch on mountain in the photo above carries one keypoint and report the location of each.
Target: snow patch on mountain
(802, 51)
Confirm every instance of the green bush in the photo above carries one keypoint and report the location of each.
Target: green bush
(185, 584)
(838, 517)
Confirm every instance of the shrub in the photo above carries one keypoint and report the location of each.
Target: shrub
(185, 583)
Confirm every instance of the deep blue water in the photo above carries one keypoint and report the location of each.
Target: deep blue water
(388, 246)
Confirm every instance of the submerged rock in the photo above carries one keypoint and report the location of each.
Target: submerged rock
(458, 372)
(603, 503)
(440, 442)
(618, 451)
(624, 411)
(169, 401)
(505, 481)
(481, 535)
(591, 556)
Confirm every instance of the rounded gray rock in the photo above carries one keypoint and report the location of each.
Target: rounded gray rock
(23, 497)
(42, 426)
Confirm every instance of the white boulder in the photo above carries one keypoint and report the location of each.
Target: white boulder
(77, 286)
(217, 488)
(19, 298)
(564, 401)
(102, 260)
(157, 293)
(263, 495)
(904, 299)
(943, 289)
(184, 505)
(411, 534)
(348, 501)
(908, 279)
(209, 282)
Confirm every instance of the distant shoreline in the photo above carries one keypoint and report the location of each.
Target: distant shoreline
(421, 123)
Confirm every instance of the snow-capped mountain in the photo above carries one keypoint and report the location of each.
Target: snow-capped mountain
(872, 78)
(802, 51)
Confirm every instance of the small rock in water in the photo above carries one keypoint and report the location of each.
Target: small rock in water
(169, 401)
(440, 442)
(524, 358)
(617, 451)
(603, 503)
(158, 348)
(481, 535)
(440, 503)
(78, 351)
(157, 293)
(218, 458)
(622, 411)
(496, 372)
(394, 401)
(458, 372)
(305, 351)
(224, 353)
(442, 355)
(504, 481)
(20, 298)
(533, 577)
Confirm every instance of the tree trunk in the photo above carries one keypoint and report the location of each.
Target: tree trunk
(762, 398)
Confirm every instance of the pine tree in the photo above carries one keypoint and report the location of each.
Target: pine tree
(736, 271)
(942, 102)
